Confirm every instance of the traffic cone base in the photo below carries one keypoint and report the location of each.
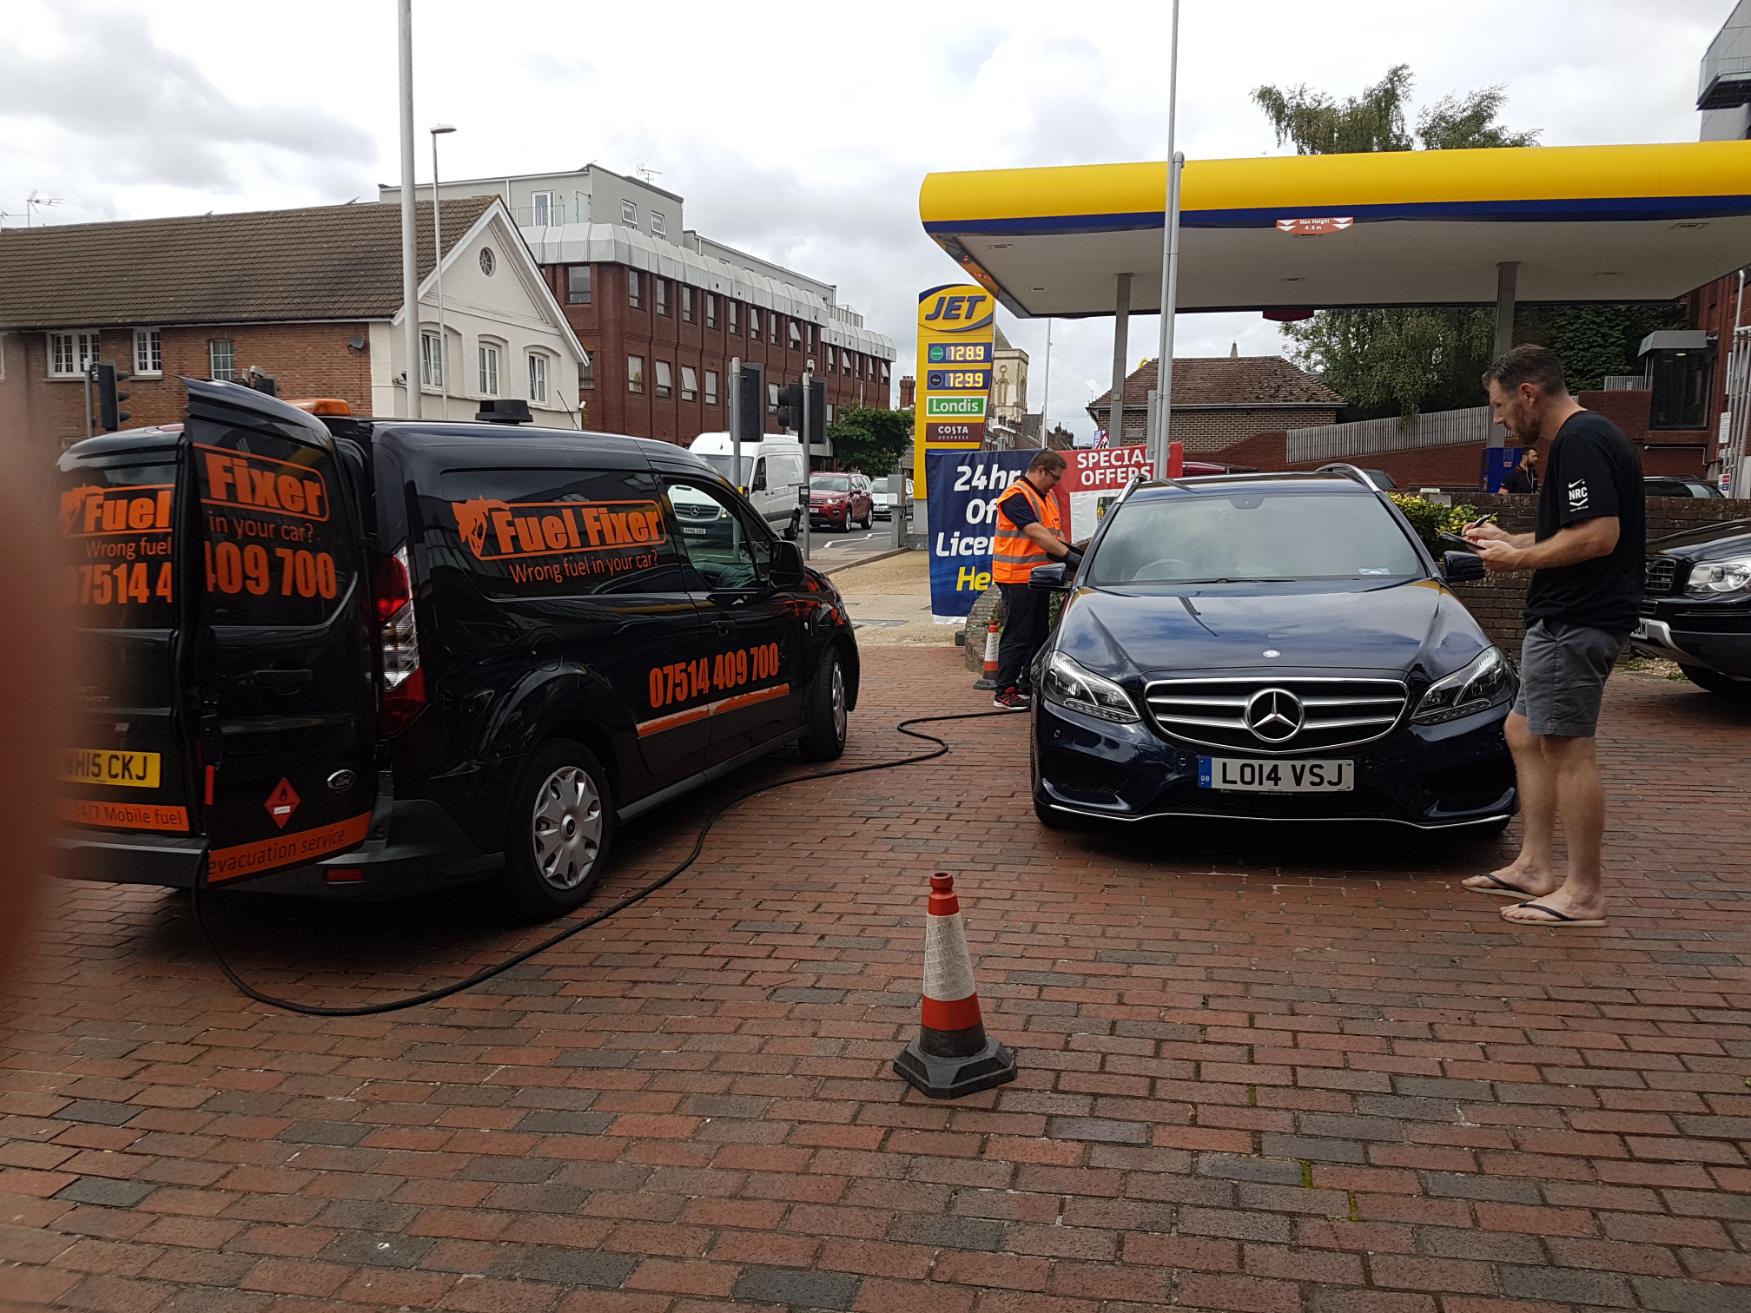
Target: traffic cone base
(950, 1078)
(952, 1055)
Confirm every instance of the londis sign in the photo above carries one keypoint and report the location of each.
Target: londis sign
(550, 542)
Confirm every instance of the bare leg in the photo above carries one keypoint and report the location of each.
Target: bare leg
(1535, 778)
(1580, 794)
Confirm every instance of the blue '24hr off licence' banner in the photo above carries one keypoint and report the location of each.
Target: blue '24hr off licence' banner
(964, 488)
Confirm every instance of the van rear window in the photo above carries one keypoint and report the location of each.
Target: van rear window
(116, 524)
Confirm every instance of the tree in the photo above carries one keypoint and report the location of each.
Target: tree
(868, 439)
(1392, 361)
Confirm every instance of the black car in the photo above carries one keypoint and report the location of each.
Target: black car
(365, 658)
(1274, 647)
(1660, 485)
(1696, 606)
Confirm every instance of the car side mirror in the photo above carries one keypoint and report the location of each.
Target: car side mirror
(1462, 567)
(1048, 578)
(787, 569)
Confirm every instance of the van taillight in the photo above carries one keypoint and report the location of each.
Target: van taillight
(404, 686)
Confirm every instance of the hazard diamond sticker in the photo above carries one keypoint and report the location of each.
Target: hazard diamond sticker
(282, 802)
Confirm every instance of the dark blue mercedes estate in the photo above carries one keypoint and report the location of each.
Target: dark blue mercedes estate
(1269, 647)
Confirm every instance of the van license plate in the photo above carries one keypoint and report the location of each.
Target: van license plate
(124, 770)
(1240, 775)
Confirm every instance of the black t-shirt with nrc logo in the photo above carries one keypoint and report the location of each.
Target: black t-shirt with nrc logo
(1592, 470)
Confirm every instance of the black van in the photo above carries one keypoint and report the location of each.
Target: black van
(365, 658)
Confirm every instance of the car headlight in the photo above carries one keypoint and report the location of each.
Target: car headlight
(1711, 578)
(1069, 685)
(1487, 682)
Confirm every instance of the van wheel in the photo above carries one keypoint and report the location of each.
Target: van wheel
(824, 716)
(794, 527)
(558, 834)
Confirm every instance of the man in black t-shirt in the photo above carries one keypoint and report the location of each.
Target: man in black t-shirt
(1524, 476)
(1585, 555)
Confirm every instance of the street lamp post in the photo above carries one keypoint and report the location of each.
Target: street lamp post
(439, 130)
(410, 291)
(1169, 266)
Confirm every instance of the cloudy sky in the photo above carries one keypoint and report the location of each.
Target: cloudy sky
(796, 131)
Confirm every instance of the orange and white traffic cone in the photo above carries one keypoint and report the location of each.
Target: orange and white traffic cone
(952, 1055)
(993, 639)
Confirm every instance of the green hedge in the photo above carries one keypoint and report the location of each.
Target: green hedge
(1431, 518)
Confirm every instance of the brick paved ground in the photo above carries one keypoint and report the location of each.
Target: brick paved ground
(1317, 1079)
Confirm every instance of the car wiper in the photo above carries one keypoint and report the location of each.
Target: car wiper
(1256, 579)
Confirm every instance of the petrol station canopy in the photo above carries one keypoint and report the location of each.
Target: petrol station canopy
(1585, 223)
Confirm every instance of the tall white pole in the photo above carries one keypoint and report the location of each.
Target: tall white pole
(438, 268)
(409, 271)
(1169, 264)
(1046, 389)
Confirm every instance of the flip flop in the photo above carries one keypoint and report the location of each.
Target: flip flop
(1502, 889)
(1558, 921)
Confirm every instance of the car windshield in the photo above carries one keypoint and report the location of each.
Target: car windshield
(1250, 537)
(880, 485)
(830, 483)
(721, 463)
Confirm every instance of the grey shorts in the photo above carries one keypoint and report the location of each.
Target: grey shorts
(1563, 668)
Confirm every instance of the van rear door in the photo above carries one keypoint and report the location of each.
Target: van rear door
(277, 651)
(126, 769)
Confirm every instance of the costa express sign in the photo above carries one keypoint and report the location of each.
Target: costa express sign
(956, 328)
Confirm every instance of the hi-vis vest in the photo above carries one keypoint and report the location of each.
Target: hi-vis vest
(1013, 554)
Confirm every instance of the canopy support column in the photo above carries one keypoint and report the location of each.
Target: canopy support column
(1121, 331)
(1507, 282)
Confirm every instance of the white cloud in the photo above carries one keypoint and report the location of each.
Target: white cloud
(797, 130)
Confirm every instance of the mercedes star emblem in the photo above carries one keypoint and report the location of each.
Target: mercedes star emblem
(1274, 715)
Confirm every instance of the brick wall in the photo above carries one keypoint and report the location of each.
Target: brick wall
(1208, 430)
(611, 329)
(308, 360)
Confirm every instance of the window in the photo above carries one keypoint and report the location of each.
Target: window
(715, 539)
(577, 284)
(772, 397)
(662, 286)
(70, 353)
(711, 387)
(753, 323)
(689, 383)
(489, 370)
(488, 261)
(847, 363)
(659, 225)
(1679, 381)
(148, 351)
(687, 305)
(711, 309)
(537, 379)
(796, 337)
(629, 214)
(431, 361)
(541, 208)
(587, 374)
(635, 373)
(665, 380)
(735, 316)
(634, 290)
(222, 359)
(772, 328)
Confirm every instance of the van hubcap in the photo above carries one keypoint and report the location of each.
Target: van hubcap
(567, 827)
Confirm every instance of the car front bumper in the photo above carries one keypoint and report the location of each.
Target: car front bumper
(1428, 777)
(1723, 646)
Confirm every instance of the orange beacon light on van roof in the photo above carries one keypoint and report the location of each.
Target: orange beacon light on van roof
(323, 406)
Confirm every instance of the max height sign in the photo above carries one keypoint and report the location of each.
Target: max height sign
(956, 329)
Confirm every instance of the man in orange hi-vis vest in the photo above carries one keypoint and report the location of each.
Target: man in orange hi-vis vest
(1029, 534)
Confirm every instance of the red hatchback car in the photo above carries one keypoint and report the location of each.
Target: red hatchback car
(837, 501)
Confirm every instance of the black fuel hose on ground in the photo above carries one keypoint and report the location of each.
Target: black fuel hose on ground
(575, 927)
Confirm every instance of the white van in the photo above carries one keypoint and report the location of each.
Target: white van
(772, 474)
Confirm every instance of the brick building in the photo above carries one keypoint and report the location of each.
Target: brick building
(311, 297)
(1218, 401)
(662, 309)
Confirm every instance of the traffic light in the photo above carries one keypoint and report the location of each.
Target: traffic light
(110, 415)
(751, 404)
(817, 412)
(790, 407)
